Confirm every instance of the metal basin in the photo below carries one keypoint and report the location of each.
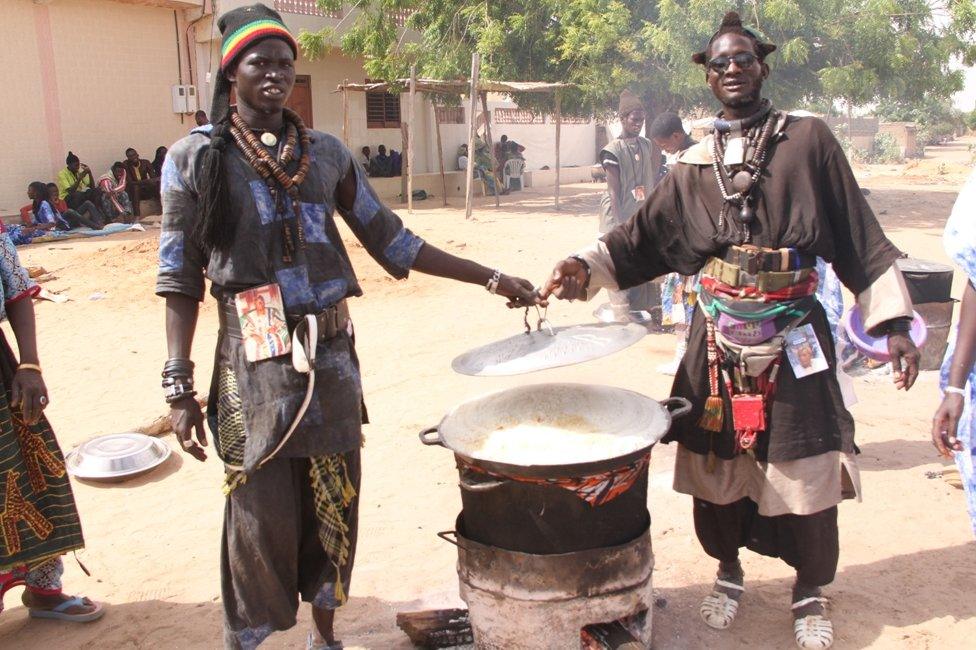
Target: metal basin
(622, 424)
(116, 456)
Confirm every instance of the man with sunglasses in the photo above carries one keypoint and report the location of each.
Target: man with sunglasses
(767, 452)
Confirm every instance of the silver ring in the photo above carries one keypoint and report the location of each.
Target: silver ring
(43, 400)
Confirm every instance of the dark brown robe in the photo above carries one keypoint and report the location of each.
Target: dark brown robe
(809, 200)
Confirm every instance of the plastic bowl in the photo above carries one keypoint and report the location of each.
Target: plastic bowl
(877, 347)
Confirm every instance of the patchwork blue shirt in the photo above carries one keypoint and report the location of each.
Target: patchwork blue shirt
(319, 275)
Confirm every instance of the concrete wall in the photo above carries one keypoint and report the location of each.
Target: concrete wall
(577, 142)
(389, 189)
(90, 76)
(906, 135)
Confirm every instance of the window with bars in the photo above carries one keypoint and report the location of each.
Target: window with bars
(305, 7)
(518, 116)
(450, 114)
(382, 109)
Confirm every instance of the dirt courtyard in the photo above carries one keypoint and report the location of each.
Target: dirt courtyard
(908, 558)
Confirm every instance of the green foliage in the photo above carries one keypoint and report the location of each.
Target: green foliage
(937, 120)
(859, 51)
(886, 150)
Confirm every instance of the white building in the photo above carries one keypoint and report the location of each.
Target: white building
(97, 76)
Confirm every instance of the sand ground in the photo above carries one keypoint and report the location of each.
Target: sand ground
(908, 559)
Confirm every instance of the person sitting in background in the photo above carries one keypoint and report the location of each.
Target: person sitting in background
(157, 163)
(115, 200)
(200, 117)
(37, 217)
(364, 159)
(141, 182)
(88, 215)
(462, 158)
(396, 163)
(75, 183)
(381, 165)
(482, 163)
(506, 150)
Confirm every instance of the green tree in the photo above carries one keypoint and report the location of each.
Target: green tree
(859, 51)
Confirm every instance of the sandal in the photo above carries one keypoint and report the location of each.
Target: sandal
(812, 630)
(718, 609)
(312, 644)
(59, 612)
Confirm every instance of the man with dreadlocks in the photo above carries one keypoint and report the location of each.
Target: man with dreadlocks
(768, 451)
(248, 203)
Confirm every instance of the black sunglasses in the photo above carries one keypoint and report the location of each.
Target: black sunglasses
(720, 64)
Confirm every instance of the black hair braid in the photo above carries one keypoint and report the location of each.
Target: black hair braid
(215, 224)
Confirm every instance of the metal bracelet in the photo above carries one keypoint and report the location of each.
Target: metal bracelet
(585, 265)
(172, 399)
(492, 285)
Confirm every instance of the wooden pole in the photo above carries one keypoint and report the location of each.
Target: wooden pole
(475, 73)
(440, 151)
(491, 145)
(411, 114)
(559, 126)
(345, 113)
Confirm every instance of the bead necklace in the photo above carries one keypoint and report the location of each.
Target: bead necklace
(272, 169)
(746, 179)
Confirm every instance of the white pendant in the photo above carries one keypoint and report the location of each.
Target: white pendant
(735, 152)
(637, 157)
(269, 139)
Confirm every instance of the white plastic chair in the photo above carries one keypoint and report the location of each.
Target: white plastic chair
(514, 167)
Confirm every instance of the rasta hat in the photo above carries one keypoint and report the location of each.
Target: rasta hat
(629, 102)
(241, 28)
(245, 26)
(732, 24)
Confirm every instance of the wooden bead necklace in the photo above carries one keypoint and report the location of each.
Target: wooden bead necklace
(273, 169)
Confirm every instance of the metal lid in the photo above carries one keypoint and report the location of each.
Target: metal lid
(116, 455)
(541, 350)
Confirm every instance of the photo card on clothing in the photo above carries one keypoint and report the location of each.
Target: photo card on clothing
(264, 328)
(804, 352)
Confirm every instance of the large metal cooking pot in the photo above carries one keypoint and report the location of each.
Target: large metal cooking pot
(503, 509)
(631, 421)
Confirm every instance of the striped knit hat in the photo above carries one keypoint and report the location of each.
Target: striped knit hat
(242, 28)
(245, 26)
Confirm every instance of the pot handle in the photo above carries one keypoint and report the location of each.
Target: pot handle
(430, 442)
(445, 536)
(680, 404)
(479, 486)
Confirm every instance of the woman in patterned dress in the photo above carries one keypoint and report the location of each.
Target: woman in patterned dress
(954, 427)
(38, 519)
